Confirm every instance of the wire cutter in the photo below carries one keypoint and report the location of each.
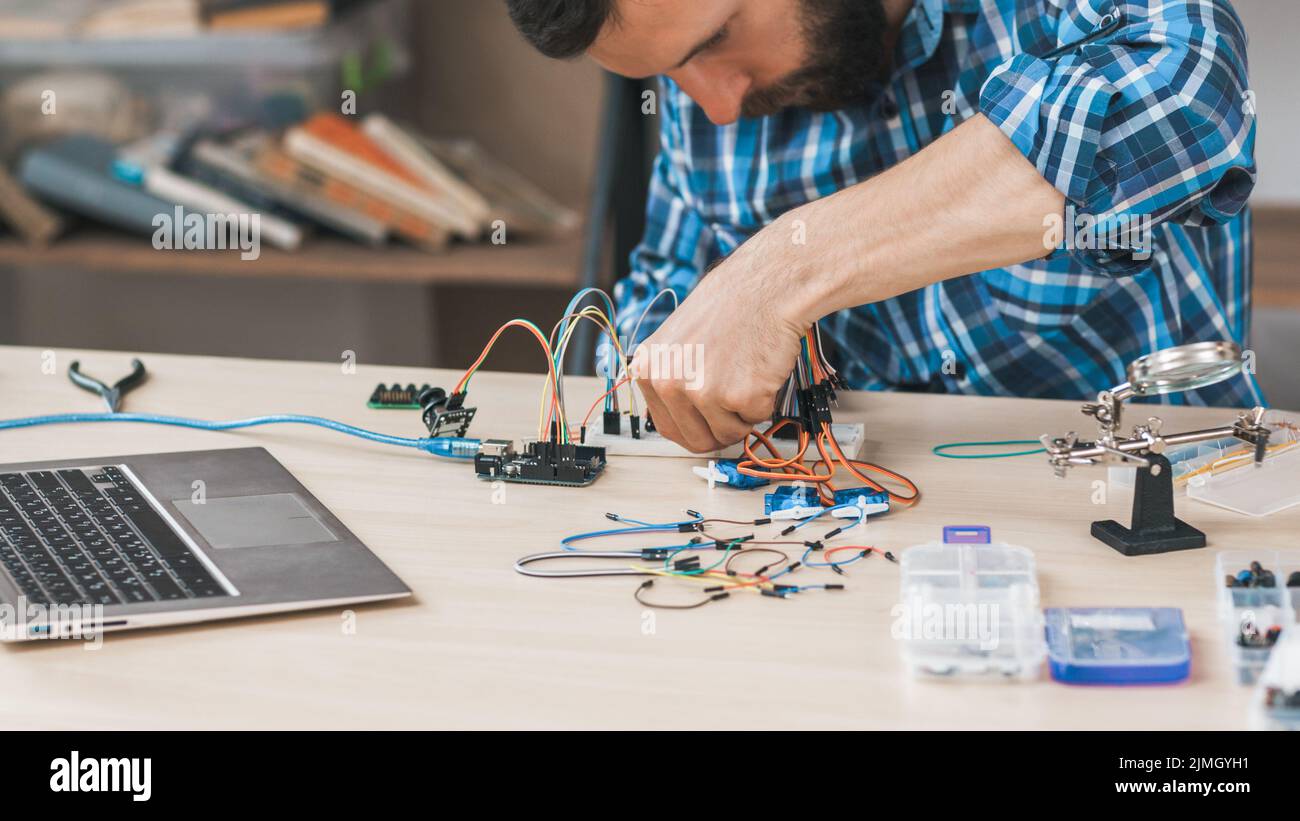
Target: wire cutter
(111, 396)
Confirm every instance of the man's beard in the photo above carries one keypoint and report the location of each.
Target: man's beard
(847, 60)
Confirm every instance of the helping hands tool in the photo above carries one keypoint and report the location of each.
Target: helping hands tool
(1154, 528)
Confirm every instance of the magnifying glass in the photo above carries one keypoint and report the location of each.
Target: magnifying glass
(1184, 368)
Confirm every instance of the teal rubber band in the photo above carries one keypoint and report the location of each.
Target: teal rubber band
(942, 450)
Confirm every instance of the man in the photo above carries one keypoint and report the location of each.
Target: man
(938, 181)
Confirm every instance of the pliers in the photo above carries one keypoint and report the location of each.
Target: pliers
(111, 396)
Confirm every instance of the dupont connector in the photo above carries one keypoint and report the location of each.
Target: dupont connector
(612, 426)
(636, 426)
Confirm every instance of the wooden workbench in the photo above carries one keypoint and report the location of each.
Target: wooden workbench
(482, 647)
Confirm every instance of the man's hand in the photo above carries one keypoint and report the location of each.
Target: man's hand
(969, 202)
(713, 369)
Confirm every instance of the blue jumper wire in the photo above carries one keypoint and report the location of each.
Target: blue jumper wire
(447, 447)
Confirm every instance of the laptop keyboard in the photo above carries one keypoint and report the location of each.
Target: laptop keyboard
(89, 536)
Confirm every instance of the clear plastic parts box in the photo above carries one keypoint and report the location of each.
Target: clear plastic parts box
(969, 609)
(1253, 616)
(1276, 704)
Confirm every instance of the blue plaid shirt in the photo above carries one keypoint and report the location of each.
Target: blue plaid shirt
(1128, 108)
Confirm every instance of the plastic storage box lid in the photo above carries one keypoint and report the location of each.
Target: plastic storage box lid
(1118, 645)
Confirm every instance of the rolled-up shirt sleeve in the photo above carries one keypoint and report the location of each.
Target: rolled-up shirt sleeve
(1154, 120)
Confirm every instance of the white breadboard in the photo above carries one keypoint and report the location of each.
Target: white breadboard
(849, 436)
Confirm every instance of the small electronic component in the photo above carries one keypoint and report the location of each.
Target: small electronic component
(396, 397)
(726, 472)
(611, 423)
(1251, 635)
(445, 415)
(791, 502)
(1256, 576)
(872, 501)
(540, 463)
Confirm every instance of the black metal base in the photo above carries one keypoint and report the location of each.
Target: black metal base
(1134, 543)
(1155, 529)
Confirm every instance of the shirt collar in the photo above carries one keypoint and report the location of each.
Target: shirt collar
(923, 27)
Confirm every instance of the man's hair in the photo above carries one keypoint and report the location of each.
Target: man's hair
(561, 28)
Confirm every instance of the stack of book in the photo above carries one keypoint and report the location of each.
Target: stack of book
(372, 180)
(134, 19)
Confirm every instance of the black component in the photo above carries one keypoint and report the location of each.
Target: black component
(1251, 636)
(445, 415)
(775, 594)
(396, 397)
(790, 431)
(636, 426)
(813, 545)
(890, 556)
(1260, 577)
(1154, 529)
(612, 424)
(543, 463)
(838, 569)
(1293, 580)
(654, 554)
(649, 423)
(831, 534)
(788, 530)
(689, 527)
(764, 521)
(834, 587)
(794, 566)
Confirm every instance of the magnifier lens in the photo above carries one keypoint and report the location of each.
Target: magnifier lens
(1184, 368)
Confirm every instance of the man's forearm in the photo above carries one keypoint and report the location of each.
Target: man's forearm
(967, 203)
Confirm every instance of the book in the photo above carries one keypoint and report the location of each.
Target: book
(279, 165)
(279, 16)
(232, 167)
(41, 19)
(74, 173)
(404, 146)
(179, 190)
(35, 223)
(135, 19)
(512, 198)
(334, 146)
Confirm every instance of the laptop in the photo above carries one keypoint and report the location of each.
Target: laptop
(96, 545)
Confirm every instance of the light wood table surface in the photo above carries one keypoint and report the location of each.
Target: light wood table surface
(482, 647)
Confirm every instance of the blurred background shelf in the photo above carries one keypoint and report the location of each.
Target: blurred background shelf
(543, 263)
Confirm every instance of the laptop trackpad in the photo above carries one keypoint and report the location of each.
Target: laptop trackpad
(255, 521)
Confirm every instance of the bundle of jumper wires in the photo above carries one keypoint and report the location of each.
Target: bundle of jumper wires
(769, 569)
(553, 420)
(804, 414)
